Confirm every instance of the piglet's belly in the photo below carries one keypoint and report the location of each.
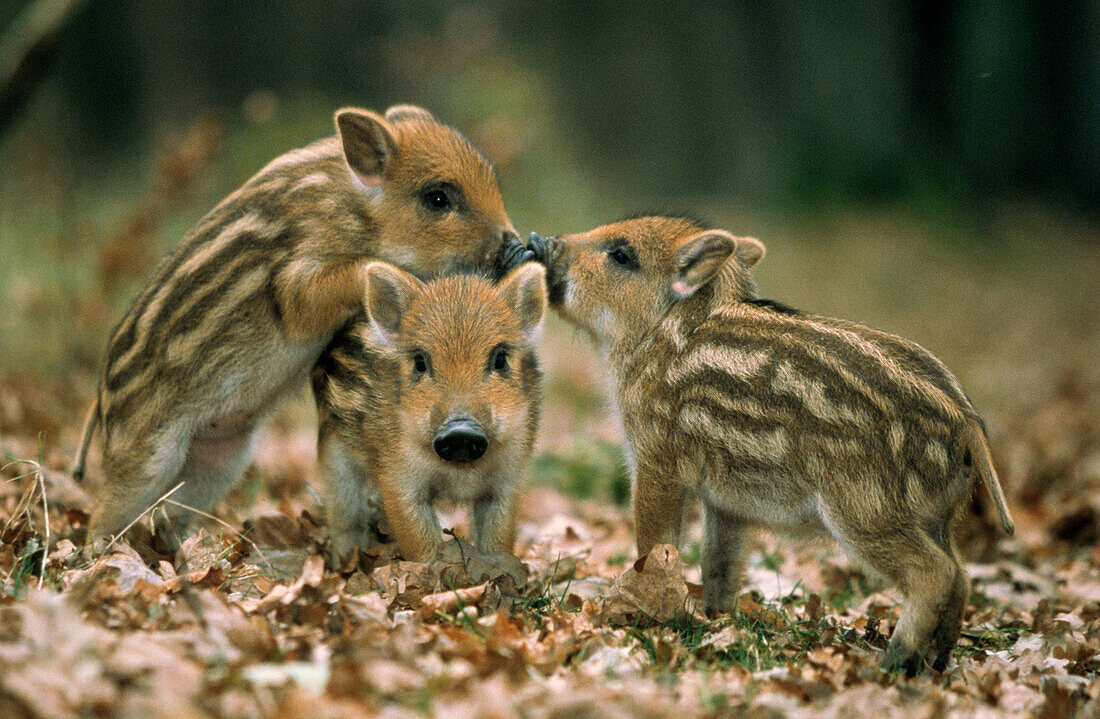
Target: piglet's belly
(226, 427)
(762, 504)
(247, 390)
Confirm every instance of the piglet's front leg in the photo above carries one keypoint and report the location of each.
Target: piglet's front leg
(495, 522)
(658, 506)
(413, 520)
(317, 297)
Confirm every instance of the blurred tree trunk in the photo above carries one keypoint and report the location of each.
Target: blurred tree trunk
(27, 50)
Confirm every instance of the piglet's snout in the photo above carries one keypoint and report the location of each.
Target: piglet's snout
(539, 247)
(460, 439)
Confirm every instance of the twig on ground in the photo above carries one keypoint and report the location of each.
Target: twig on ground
(228, 526)
(24, 506)
(164, 497)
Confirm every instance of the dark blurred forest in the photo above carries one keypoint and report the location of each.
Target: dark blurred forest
(948, 105)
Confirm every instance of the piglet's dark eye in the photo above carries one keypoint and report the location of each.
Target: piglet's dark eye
(623, 257)
(420, 363)
(436, 199)
(500, 360)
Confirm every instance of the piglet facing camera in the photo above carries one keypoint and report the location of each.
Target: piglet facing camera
(433, 392)
(776, 418)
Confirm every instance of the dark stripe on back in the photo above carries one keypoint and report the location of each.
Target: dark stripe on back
(798, 336)
(205, 296)
(774, 306)
(181, 292)
(167, 273)
(780, 346)
(723, 415)
(208, 228)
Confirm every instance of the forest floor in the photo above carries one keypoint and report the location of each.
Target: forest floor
(257, 626)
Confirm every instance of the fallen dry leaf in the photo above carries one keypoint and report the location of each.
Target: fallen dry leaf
(449, 601)
(652, 588)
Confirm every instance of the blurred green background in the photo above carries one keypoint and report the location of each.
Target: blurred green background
(929, 168)
(774, 102)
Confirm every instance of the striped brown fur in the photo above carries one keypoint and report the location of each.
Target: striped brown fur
(237, 315)
(776, 418)
(381, 418)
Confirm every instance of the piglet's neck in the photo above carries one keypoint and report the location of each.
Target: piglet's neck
(731, 284)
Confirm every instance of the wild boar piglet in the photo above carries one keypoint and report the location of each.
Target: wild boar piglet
(776, 418)
(434, 392)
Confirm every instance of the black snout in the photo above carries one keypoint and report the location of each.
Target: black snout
(513, 253)
(460, 440)
(549, 252)
(539, 247)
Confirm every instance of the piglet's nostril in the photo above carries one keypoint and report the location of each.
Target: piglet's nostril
(460, 441)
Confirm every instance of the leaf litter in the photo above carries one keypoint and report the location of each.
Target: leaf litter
(253, 624)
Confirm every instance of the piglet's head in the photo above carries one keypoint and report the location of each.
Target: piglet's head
(468, 374)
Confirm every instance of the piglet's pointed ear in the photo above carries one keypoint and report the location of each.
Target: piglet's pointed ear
(389, 292)
(368, 143)
(697, 260)
(749, 251)
(400, 113)
(524, 289)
